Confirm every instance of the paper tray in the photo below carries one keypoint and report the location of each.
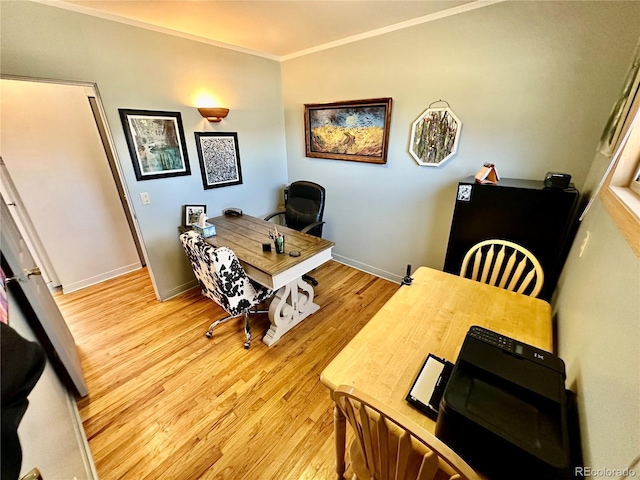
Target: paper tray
(427, 389)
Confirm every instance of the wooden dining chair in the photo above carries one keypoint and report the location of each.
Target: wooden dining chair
(390, 446)
(504, 264)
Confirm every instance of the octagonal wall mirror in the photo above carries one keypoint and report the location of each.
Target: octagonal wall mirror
(434, 136)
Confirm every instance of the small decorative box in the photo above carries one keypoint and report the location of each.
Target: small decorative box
(208, 230)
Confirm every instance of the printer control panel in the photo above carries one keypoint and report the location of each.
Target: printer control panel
(517, 348)
(492, 338)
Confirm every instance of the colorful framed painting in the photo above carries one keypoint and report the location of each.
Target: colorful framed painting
(156, 143)
(356, 130)
(219, 159)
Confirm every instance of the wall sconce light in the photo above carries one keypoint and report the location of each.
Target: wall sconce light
(214, 114)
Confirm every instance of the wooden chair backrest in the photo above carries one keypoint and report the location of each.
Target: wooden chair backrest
(390, 446)
(504, 264)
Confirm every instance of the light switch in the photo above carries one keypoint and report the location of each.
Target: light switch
(144, 196)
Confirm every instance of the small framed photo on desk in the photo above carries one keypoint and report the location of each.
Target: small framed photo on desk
(191, 214)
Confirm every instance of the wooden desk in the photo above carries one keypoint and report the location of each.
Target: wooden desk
(432, 315)
(293, 301)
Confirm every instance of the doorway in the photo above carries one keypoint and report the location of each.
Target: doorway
(63, 183)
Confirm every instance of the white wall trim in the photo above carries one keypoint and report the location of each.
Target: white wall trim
(363, 267)
(467, 7)
(155, 28)
(392, 277)
(72, 287)
(83, 443)
(179, 290)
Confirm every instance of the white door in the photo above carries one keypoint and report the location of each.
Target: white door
(27, 230)
(36, 292)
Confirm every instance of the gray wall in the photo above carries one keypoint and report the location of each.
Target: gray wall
(532, 83)
(139, 69)
(597, 309)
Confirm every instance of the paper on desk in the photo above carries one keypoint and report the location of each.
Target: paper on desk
(426, 381)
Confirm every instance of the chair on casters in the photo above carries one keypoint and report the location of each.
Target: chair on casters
(303, 211)
(494, 262)
(224, 281)
(390, 446)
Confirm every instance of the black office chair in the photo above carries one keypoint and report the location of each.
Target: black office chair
(303, 211)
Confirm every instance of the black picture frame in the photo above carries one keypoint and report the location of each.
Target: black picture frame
(191, 214)
(219, 157)
(156, 143)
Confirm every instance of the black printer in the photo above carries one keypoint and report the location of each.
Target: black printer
(504, 410)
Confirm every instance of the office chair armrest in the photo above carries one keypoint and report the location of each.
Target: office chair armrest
(311, 226)
(271, 215)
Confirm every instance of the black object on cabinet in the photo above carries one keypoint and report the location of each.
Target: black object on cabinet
(522, 211)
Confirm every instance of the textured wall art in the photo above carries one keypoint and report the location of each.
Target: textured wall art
(434, 136)
(219, 159)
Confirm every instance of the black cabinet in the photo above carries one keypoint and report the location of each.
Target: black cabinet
(522, 211)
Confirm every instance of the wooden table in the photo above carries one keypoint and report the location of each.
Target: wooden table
(293, 301)
(432, 315)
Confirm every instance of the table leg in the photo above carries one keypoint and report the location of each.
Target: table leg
(291, 304)
(340, 432)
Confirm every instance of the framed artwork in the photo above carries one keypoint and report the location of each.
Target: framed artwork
(156, 143)
(356, 130)
(219, 159)
(192, 214)
(435, 136)
(619, 114)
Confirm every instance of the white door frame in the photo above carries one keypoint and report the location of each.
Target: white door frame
(92, 90)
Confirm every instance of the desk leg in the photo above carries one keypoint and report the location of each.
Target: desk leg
(340, 432)
(290, 305)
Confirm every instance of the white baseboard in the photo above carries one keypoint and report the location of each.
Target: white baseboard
(72, 287)
(174, 292)
(392, 277)
(83, 443)
(368, 268)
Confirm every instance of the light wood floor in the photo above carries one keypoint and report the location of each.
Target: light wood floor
(167, 403)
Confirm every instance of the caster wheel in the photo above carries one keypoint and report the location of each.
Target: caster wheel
(208, 334)
(314, 283)
(247, 345)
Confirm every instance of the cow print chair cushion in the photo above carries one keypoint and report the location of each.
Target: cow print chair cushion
(221, 276)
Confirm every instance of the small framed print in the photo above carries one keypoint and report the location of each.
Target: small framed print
(192, 214)
(156, 143)
(219, 159)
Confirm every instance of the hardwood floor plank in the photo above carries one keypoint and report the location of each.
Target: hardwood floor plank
(165, 402)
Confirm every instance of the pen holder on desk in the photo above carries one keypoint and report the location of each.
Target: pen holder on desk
(278, 243)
